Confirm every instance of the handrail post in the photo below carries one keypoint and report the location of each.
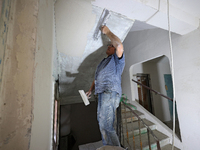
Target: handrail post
(133, 135)
(149, 141)
(126, 127)
(140, 134)
(158, 145)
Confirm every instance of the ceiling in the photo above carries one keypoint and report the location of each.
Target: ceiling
(138, 26)
(189, 6)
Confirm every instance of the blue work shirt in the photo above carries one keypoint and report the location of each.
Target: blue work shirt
(108, 74)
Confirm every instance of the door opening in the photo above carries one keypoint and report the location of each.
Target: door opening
(144, 95)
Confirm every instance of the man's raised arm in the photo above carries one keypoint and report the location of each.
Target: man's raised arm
(116, 42)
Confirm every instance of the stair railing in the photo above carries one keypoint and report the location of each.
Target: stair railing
(120, 131)
(149, 131)
(152, 90)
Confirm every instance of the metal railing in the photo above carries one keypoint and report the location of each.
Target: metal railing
(120, 130)
(152, 90)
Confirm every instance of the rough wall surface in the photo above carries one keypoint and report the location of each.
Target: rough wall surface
(4, 20)
(42, 126)
(16, 97)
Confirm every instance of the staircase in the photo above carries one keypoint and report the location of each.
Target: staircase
(129, 123)
(134, 134)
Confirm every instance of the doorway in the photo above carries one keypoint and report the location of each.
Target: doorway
(169, 91)
(144, 95)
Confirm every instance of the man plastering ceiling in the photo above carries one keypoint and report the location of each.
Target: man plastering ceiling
(107, 85)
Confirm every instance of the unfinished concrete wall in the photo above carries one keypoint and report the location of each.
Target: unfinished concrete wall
(145, 45)
(42, 127)
(4, 22)
(16, 97)
(26, 98)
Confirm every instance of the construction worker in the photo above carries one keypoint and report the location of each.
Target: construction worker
(107, 85)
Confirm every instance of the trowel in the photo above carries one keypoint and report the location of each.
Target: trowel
(102, 22)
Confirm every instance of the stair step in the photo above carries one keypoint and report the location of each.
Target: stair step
(131, 117)
(126, 110)
(164, 140)
(169, 147)
(123, 110)
(133, 127)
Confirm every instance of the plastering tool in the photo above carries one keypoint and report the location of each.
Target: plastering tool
(102, 21)
(84, 97)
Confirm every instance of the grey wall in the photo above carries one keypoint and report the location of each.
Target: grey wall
(144, 45)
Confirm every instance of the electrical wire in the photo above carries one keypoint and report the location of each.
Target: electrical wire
(172, 72)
